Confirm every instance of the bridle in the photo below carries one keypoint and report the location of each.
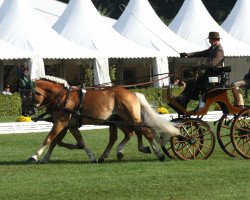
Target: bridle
(28, 91)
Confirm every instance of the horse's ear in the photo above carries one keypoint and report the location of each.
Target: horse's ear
(30, 84)
(22, 84)
(25, 83)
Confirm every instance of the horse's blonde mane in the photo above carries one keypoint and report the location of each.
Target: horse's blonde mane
(55, 79)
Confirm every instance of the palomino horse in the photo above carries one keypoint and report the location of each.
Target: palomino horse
(114, 106)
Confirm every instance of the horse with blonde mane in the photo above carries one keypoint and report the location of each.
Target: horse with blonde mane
(71, 107)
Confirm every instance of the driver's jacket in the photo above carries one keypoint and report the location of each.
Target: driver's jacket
(214, 55)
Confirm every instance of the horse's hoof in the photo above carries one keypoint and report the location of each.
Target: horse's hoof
(162, 157)
(44, 161)
(101, 160)
(94, 161)
(147, 150)
(32, 160)
(120, 155)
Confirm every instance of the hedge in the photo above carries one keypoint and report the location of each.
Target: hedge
(10, 105)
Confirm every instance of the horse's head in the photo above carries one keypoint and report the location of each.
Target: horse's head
(46, 91)
(27, 94)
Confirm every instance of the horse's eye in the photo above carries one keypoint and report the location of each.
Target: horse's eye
(30, 95)
(24, 96)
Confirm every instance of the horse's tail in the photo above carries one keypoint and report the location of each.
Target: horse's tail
(151, 118)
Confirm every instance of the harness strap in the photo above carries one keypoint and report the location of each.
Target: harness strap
(41, 117)
(63, 108)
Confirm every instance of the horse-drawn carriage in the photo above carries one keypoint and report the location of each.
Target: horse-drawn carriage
(190, 137)
(198, 140)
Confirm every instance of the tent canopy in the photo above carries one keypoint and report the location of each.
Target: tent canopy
(236, 24)
(8, 51)
(23, 28)
(189, 25)
(134, 24)
(82, 24)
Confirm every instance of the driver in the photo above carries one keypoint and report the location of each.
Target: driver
(215, 59)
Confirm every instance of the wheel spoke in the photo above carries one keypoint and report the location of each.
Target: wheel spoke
(228, 143)
(243, 143)
(188, 151)
(227, 135)
(200, 151)
(203, 145)
(226, 127)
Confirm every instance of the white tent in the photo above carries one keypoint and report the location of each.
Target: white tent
(22, 27)
(51, 10)
(193, 23)
(140, 24)
(237, 24)
(82, 24)
(8, 51)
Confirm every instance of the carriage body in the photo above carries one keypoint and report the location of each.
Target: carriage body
(233, 127)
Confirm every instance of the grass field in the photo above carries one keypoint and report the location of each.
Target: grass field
(69, 175)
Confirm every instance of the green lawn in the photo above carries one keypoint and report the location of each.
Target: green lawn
(138, 176)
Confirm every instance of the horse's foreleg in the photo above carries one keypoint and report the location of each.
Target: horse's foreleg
(56, 129)
(57, 140)
(112, 140)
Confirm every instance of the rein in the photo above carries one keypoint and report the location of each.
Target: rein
(130, 85)
(145, 83)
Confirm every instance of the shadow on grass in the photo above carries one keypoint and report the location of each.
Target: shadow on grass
(63, 162)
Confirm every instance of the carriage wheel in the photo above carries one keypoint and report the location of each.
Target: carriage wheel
(223, 136)
(196, 142)
(240, 133)
(167, 149)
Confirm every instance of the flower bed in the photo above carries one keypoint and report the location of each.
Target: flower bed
(23, 119)
(162, 110)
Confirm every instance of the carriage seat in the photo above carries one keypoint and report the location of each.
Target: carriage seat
(218, 78)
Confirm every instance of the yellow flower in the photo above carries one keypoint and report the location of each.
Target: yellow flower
(162, 110)
(23, 119)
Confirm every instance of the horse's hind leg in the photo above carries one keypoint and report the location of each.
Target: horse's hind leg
(112, 140)
(141, 147)
(128, 132)
(148, 134)
(81, 144)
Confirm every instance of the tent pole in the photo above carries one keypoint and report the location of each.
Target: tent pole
(1, 76)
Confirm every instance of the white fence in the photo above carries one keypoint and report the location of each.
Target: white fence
(32, 127)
